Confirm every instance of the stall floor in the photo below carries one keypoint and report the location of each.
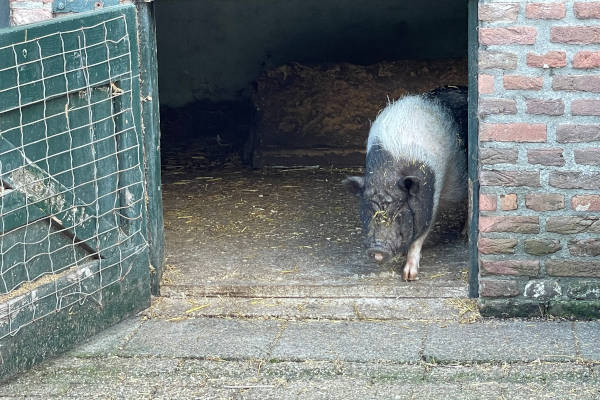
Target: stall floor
(286, 232)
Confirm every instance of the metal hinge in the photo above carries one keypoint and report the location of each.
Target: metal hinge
(75, 6)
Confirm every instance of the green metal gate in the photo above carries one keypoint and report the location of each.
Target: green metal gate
(73, 247)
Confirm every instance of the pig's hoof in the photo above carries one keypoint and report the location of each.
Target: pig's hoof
(410, 274)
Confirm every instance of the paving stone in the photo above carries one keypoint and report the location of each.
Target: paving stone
(204, 338)
(500, 341)
(350, 341)
(108, 341)
(588, 334)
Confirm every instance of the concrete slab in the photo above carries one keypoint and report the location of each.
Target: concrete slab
(350, 341)
(206, 338)
(315, 308)
(500, 341)
(588, 336)
(108, 341)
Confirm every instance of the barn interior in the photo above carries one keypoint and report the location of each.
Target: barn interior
(265, 108)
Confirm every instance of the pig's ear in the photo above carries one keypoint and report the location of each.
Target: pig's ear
(410, 184)
(354, 184)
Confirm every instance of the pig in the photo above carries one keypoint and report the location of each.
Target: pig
(416, 161)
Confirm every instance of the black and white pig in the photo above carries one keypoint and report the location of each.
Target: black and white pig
(416, 160)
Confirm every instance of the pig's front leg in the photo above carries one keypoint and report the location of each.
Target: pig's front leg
(411, 268)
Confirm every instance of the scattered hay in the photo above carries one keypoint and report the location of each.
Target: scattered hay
(468, 312)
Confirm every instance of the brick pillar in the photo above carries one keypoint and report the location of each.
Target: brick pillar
(27, 11)
(539, 164)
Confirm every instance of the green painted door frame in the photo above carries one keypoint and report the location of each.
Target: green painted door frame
(473, 156)
(74, 255)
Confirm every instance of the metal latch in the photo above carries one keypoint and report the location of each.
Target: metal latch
(75, 6)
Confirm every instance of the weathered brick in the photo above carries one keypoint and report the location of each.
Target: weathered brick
(510, 267)
(497, 106)
(586, 202)
(509, 223)
(568, 225)
(513, 132)
(508, 202)
(487, 202)
(569, 133)
(545, 10)
(575, 180)
(498, 288)
(508, 35)
(545, 107)
(541, 247)
(569, 267)
(486, 84)
(519, 82)
(589, 156)
(28, 14)
(552, 157)
(497, 59)
(586, 59)
(545, 201)
(542, 289)
(586, 10)
(584, 247)
(552, 59)
(499, 12)
(494, 155)
(582, 83)
(585, 107)
(575, 34)
(509, 178)
(584, 290)
(496, 245)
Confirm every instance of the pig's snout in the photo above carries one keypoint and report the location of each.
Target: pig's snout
(379, 254)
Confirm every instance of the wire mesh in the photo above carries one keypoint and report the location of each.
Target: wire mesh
(71, 179)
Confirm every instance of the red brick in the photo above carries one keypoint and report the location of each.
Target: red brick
(511, 35)
(513, 132)
(552, 59)
(497, 106)
(575, 34)
(487, 202)
(574, 180)
(498, 288)
(586, 59)
(587, 10)
(585, 107)
(486, 84)
(509, 178)
(587, 202)
(496, 245)
(545, 10)
(518, 82)
(509, 223)
(588, 156)
(544, 201)
(545, 107)
(541, 247)
(497, 59)
(568, 267)
(546, 157)
(584, 247)
(499, 12)
(571, 133)
(572, 224)
(510, 267)
(583, 83)
(508, 202)
(493, 155)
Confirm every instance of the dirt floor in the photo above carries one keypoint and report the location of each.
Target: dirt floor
(284, 232)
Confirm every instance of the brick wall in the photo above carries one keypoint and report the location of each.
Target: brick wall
(539, 164)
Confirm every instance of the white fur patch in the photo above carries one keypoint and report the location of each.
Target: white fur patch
(414, 128)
